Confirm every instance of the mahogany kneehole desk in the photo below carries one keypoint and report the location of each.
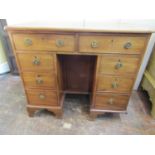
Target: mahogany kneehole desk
(53, 62)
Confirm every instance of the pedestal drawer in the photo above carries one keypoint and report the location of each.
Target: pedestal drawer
(42, 97)
(125, 44)
(44, 42)
(108, 101)
(119, 64)
(110, 83)
(36, 62)
(39, 80)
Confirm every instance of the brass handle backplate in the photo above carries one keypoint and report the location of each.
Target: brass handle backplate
(36, 61)
(39, 80)
(111, 101)
(114, 85)
(128, 45)
(119, 65)
(59, 43)
(94, 44)
(28, 42)
(42, 96)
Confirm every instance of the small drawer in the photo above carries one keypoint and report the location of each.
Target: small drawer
(42, 97)
(119, 64)
(48, 42)
(108, 101)
(108, 83)
(39, 80)
(130, 44)
(96, 44)
(36, 62)
(125, 44)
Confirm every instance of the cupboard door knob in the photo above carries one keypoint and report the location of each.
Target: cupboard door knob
(127, 45)
(36, 61)
(28, 42)
(111, 101)
(59, 43)
(114, 85)
(42, 96)
(94, 44)
(119, 65)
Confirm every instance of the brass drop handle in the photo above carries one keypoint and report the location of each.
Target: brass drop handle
(42, 96)
(39, 80)
(114, 85)
(111, 101)
(28, 42)
(36, 61)
(119, 65)
(59, 43)
(94, 44)
(127, 45)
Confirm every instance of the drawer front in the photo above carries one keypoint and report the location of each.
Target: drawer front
(39, 80)
(113, 44)
(47, 42)
(95, 43)
(109, 83)
(42, 97)
(112, 64)
(36, 62)
(108, 101)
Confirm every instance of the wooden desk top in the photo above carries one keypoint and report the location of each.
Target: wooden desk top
(113, 27)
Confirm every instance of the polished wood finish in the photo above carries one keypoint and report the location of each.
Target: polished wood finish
(26, 61)
(108, 101)
(111, 83)
(39, 80)
(119, 64)
(44, 42)
(42, 97)
(53, 62)
(113, 44)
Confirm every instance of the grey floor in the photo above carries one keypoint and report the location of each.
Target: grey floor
(14, 118)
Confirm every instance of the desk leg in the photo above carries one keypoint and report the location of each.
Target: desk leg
(92, 116)
(31, 111)
(59, 115)
(58, 112)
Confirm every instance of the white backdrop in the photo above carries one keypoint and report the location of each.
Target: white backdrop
(75, 10)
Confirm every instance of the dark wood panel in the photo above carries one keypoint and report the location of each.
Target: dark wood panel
(77, 72)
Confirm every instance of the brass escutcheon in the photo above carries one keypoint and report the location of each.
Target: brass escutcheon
(94, 44)
(42, 96)
(119, 64)
(127, 45)
(36, 61)
(28, 42)
(59, 43)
